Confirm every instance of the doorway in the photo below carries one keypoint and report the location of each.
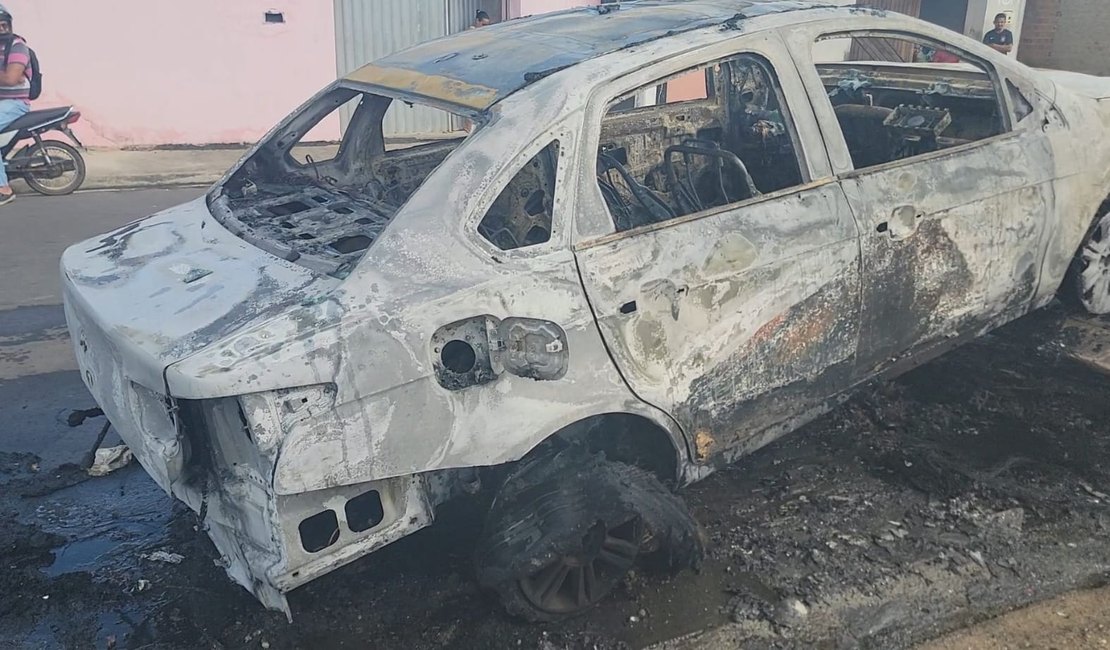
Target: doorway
(461, 13)
(946, 13)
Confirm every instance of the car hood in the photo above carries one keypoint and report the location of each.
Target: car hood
(1082, 84)
(165, 287)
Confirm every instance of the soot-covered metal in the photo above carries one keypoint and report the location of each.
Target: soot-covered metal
(603, 286)
(327, 229)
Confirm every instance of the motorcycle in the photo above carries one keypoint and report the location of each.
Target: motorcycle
(49, 167)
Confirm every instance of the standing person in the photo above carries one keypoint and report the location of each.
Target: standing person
(481, 19)
(15, 87)
(1000, 38)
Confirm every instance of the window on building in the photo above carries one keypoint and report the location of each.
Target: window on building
(897, 98)
(946, 13)
(710, 137)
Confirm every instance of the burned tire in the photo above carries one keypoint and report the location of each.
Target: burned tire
(564, 530)
(1088, 281)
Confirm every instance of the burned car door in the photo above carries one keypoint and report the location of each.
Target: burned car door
(729, 293)
(951, 189)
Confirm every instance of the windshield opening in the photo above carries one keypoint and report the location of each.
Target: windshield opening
(322, 203)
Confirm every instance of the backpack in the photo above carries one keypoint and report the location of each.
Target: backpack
(36, 72)
(36, 75)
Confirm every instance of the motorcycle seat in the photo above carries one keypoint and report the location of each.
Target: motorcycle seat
(37, 118)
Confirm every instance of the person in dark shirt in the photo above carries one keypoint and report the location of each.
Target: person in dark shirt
(1000, 38)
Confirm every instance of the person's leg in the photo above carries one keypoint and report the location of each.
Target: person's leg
(10, 111)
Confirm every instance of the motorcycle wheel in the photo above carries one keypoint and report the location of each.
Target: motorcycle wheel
(55, 183)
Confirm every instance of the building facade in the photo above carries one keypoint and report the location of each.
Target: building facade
(147, 73)
(1058, 34)
(1068, 35)
(973, 18)
(168, 73)
(217, 72)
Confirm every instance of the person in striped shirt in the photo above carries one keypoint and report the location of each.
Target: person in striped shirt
(15, 87)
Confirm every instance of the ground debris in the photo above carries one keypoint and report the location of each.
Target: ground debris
(978, 557)
(109, 459)
(1093, 492)
(790, 612)
(163, 556)
(1005, 522)
(996, 479)
(77, 417)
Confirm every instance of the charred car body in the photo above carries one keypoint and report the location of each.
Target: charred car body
(667, 234)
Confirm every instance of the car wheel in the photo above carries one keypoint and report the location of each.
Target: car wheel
(1090, 272)
(565, 529)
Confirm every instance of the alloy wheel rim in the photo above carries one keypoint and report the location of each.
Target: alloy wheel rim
(575, 582)
(1094, 271)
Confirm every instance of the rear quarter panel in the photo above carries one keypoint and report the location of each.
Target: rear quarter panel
(372, 338)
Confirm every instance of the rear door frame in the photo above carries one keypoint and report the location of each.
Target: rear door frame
(818, 192)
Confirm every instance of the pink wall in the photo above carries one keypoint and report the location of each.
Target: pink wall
(517, 8)
(150, 72)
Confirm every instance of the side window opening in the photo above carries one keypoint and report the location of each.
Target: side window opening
(896, 98)
(522, 214)
(692, 86)
(1022, 107)
(708, 137)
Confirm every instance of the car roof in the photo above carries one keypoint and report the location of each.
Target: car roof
(479, 67)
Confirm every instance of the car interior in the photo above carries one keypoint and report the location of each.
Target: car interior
(521, 215)
(895, 99)
(678, 148)
(322, 207)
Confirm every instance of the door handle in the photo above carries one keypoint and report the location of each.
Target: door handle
(658, 295)
(661, 293)
(903, 223)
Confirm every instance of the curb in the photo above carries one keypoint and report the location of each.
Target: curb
(122, 169)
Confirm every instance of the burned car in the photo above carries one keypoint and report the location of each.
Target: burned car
(660, 236)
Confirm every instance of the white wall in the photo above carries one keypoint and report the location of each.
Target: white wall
(151, 72)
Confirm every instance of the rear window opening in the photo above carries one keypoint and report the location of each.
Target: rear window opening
(323, 204)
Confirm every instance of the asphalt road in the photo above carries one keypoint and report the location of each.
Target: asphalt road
(35, 355)
(37, 229)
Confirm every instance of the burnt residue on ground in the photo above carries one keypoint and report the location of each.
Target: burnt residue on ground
(972, 485)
